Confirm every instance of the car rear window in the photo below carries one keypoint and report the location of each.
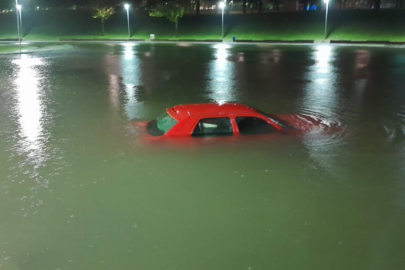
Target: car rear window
(254, 126)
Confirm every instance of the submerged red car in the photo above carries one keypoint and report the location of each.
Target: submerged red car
(229, 119)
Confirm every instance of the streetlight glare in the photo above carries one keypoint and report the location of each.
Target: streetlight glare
(326, 1)
(19, 7)
(126, 6)
(222, 6)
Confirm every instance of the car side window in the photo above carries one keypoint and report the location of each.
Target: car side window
(254, 126)
(213, 127)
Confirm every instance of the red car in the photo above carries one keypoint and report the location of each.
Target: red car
(224, 120)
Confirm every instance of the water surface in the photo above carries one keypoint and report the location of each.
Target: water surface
(79, 189)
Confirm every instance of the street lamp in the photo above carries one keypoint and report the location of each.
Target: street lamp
(222, 6)
(129, 31)
(326, 18)
(19, 24)
(18, 19)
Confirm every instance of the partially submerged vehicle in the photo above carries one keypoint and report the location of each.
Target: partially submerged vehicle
(230, 119)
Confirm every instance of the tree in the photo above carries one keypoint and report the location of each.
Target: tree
(275, 5)
(244, 6)
(197, 7)
(171, 11)
(103, 13)
(260, 6)
(377, 4)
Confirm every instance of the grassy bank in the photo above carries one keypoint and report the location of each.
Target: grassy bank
(358, 25)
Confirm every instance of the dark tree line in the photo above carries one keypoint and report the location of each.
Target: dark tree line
(61, 3)
(247, 5)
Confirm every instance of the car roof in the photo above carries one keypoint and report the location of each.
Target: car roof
(211, 109)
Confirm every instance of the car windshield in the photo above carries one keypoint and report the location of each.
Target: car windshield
(161, 125)
(165, 122)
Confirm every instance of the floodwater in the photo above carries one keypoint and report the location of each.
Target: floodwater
(80, 189)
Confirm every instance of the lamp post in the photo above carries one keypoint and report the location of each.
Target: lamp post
(129, 31)
(19, 25)
(18, 20)
(222, 6)
(326, 18)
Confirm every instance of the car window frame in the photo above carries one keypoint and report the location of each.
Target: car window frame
(267, 120)
(198, 119)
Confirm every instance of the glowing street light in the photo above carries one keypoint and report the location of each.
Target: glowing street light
(19, 11)
(222, 6)
(19, 23)
(21, 26)
(18, 19)
(326, 18)
(126, 6)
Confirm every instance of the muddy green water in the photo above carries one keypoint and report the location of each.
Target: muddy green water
(79, 189)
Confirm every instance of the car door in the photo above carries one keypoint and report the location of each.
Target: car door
(254, 125)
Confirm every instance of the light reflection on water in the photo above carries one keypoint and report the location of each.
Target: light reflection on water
(271, 57)
(320, 95)
(131, 71)
(125, 71)
(221, 75)
(31, 117)
(30, 107)
(319, 102)
(114, 88)
(361, 73)
(31, 153)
